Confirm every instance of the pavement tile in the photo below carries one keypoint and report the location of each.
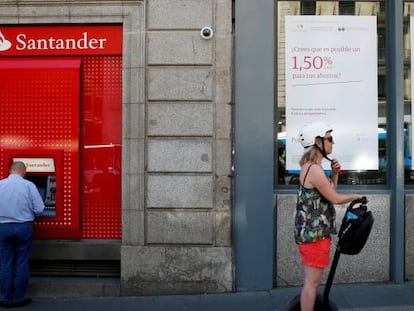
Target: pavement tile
(349, 297)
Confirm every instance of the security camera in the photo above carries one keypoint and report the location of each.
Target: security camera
(206, 33)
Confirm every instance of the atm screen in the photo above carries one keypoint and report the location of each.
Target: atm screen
(40, 182)
(46, 185)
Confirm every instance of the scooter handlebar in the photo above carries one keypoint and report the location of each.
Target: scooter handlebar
(362, 200)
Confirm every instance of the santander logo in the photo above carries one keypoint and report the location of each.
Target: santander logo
(61, 40)
(4, 43)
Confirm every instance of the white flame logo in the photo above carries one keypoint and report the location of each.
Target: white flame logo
(4, 43)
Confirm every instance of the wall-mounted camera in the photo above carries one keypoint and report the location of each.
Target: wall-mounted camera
(206, 33)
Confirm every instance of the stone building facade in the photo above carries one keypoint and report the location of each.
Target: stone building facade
(177, 231)
(176, 141)
(179, 219)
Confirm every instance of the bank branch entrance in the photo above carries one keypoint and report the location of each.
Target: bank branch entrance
(61, 95)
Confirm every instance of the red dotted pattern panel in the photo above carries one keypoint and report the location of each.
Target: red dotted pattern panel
(101, 147)
(39, 101)
(40, 110)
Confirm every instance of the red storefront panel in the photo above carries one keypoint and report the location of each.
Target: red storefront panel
(101, 147)
(66, 111)
(40, 115)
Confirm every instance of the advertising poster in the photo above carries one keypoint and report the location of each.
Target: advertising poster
(331, 76)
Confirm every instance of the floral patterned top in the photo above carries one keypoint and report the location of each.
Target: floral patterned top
(314, 217)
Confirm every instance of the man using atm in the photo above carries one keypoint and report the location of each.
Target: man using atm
(20, 202)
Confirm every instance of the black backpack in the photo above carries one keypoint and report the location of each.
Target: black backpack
(355, 229)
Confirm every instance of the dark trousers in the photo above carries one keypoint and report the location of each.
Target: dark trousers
(15, 250)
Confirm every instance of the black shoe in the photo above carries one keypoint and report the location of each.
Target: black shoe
(22, 303)
(6, 305)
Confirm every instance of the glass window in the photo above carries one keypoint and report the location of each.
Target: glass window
(408, 173)
(359, 8)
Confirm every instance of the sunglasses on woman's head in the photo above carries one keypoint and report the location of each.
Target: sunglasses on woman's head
(330, 139)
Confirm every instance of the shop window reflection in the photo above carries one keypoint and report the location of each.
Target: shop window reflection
(408, 172)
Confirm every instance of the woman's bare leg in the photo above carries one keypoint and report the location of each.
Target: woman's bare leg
(313, 278)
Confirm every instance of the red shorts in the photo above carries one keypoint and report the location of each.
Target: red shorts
(316, 254)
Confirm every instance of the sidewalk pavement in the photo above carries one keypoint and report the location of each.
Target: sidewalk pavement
(356, 297)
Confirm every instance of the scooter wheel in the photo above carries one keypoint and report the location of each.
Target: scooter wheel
(294, 305)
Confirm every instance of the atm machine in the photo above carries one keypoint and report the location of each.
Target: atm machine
(44, 168)
(46, 184)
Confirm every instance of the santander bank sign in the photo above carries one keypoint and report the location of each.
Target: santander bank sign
(60, 40)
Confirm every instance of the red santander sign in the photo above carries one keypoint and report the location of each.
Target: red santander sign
(60, 40)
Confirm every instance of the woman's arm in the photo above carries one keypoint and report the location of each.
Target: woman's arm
(336, 168)
(318, 179)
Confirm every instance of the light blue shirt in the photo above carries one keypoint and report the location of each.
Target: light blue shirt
(20, 200)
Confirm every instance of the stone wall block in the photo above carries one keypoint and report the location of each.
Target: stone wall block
(223, 157)
(223, 192)
(171, 270)
(133, 85)
(133, 156)
(94, 10)
(223, 128)
(192, 262)
(134, 17)
(8, 13)
(172, 227)
(223, 85)
(45, 11)
(370, 265)
(175, 83)
(179, 48)
(223, 227)
(181, 14)
(132, 227)
(223, 14)
(134, 41)
(409, 237)
(141, 261)
(179, 156)
(132, 192)
(134, 121)
(174, 119)
(180, 191)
